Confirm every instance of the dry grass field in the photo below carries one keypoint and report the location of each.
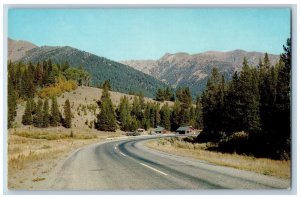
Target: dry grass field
(33, 152)
(278, 168)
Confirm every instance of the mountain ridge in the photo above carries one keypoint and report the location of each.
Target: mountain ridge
(123, 78)
(183, 69)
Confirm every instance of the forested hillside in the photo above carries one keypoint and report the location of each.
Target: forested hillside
(122, 77)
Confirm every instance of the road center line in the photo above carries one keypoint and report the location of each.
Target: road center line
(154, 169)
(123, 154)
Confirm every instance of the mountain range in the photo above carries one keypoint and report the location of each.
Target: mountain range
(175, 70)
(183, 69)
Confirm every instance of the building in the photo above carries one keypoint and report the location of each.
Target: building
(160, 129)
(185, 130)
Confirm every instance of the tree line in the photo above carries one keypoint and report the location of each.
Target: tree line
(42, 116)
(256, 101)
(140, 114)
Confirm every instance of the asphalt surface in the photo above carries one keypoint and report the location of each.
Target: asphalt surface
(129, 165)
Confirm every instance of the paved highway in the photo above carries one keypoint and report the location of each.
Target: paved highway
(128, 165)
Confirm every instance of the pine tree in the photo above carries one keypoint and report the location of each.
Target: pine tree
(267, 91)
(165, 117)
(198, 114)
(176, 116)
(33, 106)
(106, 120)
(27, 117)
(157, 115)
(38, 117)
(124, 114)
(249, 100)
(55, 114)
(136, 110)
(212, 100)
(45, 73)
(12, 102)
(46, 116)
(233, 112)
(38, 75)
(160, 95)
(282, 113)
(106, 85)
(67, 114)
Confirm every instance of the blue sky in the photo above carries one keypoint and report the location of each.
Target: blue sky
(122, 34)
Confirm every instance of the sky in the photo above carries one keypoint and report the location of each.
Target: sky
(124, 34)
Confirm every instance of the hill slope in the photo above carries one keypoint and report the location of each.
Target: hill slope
(80, 99)
(18, 49)
(183, 69)
(123, 78)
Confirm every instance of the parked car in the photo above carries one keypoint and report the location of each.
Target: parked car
(136, 133)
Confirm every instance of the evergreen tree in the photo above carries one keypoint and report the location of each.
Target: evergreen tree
(45, 73)
(12, 102)
(106, 120)
(165, 117)
(65, 66)
(267, 90)
(124, 114)
(233, 107)
(38, 75)
(157, 115)
(160, 95)
(282, 113)
(67, 114)
(211, 103)
(136, 110)
(198, 114)
(38, 117)
(46, 116)
(249, 100)
(55, 114)
(106, 85)
(27, 117)
(33, 106)
(134, 124)
(184, 97)
(176, 116)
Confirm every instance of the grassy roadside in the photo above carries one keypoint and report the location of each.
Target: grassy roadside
(278, 168)
(33, 153)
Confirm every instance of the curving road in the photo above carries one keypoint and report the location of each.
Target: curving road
(128, 165)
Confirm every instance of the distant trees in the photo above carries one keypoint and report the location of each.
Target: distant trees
(164, 95)
(40, 116)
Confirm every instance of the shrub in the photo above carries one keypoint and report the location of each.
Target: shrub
(58, 88)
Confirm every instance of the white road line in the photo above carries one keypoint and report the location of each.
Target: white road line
(154, 169)
(115, 147)
(123, 154)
